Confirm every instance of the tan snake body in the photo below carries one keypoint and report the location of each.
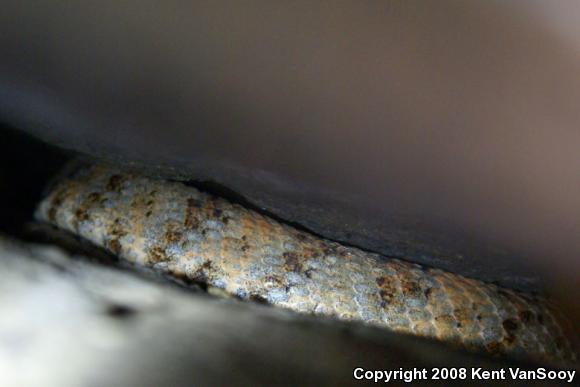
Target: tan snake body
(177, 229)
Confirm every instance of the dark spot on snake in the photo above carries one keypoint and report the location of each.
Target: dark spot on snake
(217, 212)
(55, 203)
(427, 292)
(191, 220)
(148, 213)
(157, 254)
(278, 281)
(478, 317)
(308, 273)
(116, 229)
(510, 325)
(387, 291)
(80, 216)
(526, 316)
(410, 288)
(462, 314)
(115, 246)
(292, 263)
(308, 253)
(387, 296)
(172, 235)
(93, 197)
(200, 277)
(120, 311)
(115, 183)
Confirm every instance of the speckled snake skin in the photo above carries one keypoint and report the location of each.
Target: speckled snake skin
(177, 229)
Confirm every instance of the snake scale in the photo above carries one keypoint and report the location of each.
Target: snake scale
(176, 229)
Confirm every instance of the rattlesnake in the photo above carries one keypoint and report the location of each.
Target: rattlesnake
(179, 230)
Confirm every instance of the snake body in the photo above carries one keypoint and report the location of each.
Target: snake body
(179, 230)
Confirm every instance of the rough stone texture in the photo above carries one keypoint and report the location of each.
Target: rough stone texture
(179, 230)
(66, 322)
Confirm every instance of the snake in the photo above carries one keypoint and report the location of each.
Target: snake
(178, 230)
